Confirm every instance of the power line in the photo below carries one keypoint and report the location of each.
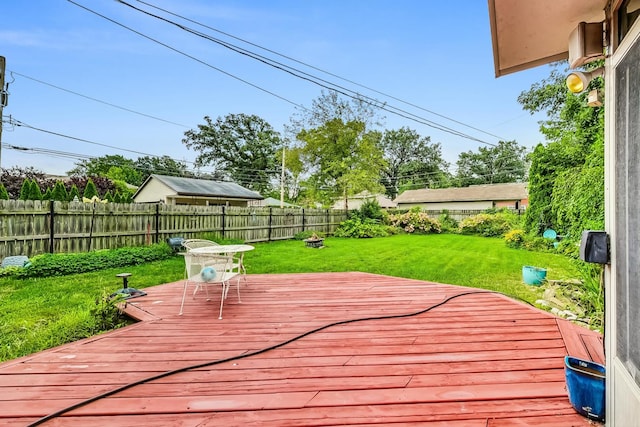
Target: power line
(315, 80)
(97, 100)
(316, 68)
(187, 55)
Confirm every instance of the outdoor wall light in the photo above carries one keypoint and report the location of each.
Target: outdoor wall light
(578, 81)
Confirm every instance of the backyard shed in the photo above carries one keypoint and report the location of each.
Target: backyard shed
(174, 190)
(512, 195)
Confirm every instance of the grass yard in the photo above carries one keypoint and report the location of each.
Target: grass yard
(36, 314)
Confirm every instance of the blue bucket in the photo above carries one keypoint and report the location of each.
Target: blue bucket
(586, 387)
(533, 275)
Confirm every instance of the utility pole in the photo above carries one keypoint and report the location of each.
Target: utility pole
(282, 181)
(3, 100)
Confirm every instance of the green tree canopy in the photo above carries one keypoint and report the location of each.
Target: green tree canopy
(566, 179)
(110, 166)
(342, 158)
(161, 165)
(412, 161)
(505, 162)
(243, 146)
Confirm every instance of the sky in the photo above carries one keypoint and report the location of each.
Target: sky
(83, 85)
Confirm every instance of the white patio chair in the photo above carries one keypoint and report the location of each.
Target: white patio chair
(198, 243)
(224, 273)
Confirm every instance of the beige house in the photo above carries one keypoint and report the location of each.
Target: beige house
(530, 33)
(174, 190)
(356, 201)
(474, 197)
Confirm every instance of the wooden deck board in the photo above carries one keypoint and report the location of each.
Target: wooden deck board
(479, 359)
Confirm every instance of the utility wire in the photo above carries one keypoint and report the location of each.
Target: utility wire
(187, 55)
(318, 69)
(97, 100)
(316, 80)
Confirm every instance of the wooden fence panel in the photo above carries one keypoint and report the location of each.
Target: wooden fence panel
(27, 227)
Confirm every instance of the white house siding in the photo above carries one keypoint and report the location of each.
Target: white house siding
(155, 191)
(451, 206)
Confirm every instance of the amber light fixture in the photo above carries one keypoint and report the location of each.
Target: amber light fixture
(578, 81)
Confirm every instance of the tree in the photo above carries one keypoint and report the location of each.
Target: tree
(13, 179)
(343, 159)
(243, 146)
(329, 106)
(90, 190)
(566, 180)
(101, 166)
(411, 162)
(25, 190)
(59, 192)
(74, 193)
(161, 165)
(4, 195)
(505, 162)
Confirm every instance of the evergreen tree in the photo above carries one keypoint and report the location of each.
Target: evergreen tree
(108, 196)
(48, 195)
(35, 192)
(74, 193)
(59, 192)
(25, 189)
(4, 194)
(90, 190)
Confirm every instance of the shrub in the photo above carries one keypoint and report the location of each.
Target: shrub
(47, 265)
(415, 221)
(515, 238)
(358, 228)
(447, 223)
(489, 224)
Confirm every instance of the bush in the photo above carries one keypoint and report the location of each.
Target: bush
(415, 221)
(447, 223)
(358, 228)
(489, 224)
(515, 238)
(47, 265)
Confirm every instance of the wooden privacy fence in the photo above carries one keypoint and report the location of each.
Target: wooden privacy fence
(35, 227)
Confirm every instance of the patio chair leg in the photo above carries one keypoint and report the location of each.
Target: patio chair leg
(184, 293)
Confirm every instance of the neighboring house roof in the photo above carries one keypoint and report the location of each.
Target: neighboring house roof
(273, 202)
(382, 200)
(203, 187)
(509, 191)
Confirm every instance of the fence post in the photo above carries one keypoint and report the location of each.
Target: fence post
(270, 224)
(223, 219)
(157, 223)
(51, 225)
(303, 219)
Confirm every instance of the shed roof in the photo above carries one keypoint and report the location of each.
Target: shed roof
(204, 187)
(526, 34)
(493, 192)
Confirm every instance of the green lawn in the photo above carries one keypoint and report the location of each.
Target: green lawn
(36, 314)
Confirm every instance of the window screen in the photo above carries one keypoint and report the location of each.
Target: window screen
(627, 210)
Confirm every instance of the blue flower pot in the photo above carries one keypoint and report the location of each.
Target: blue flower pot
(533, 275)
(586, 387)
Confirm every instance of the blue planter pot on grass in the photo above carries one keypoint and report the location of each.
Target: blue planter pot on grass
(533, 275)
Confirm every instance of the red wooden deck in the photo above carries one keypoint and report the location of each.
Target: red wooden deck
(477, 360)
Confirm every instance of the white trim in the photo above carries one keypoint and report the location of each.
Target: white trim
(623, 394)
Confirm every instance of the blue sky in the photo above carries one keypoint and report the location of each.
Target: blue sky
(436, 55)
